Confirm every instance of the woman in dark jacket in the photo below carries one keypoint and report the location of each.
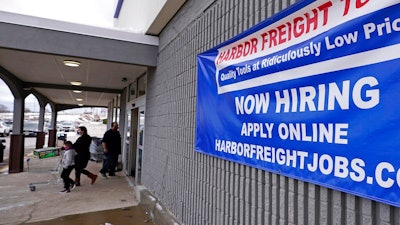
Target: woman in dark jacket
(81, 147)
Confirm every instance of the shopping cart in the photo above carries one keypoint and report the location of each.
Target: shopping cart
(47, 165)
(96, 150)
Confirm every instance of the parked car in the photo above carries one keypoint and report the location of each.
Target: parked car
(9, 124)
(47, 127)
(4, 129)
(68, 126)
(30, 129)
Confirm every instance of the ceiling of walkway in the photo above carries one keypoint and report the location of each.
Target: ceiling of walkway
(46, 74)
(110, 60)
(33, 49)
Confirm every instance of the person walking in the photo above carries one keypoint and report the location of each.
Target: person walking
(112, 148)
(68, 164)
(81, 147)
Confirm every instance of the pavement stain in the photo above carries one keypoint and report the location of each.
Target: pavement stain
(127, 215)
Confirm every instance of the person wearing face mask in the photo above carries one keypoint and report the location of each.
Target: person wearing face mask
(111, 143)
(81, 147)
(67, 163)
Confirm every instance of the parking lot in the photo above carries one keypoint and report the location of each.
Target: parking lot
(94, 130)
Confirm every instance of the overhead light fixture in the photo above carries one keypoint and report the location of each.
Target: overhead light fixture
(71, 63)
(80, 104)
(76, 83)
(79, 99)
(77, 91)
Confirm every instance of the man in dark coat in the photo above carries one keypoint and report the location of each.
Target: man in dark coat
(112, 148)
(81, 147)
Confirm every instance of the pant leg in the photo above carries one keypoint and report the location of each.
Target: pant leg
(80, 165)
(84, 162)
(78, 171)
(70, 168)
(113, 164)
(87, 173)
(65, 176)
(106, 164)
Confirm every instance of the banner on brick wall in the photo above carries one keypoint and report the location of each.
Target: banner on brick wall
(313, 94)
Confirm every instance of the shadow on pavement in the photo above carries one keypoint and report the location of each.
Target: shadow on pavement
(129, 215)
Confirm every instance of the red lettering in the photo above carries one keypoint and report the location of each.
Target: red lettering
(250, 47)
(324, 8)
(282, 33)
(289, 27)
(232, 56)
(272, 38)
(246, 48)
(220, 57)
(254, 43)
(298, 27)
(285, 32)
(359, 4)
(264, 41)
(346, 7)
(227, 55)
(239, 54)
(312, 20)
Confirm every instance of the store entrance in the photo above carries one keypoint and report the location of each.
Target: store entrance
(135, 144)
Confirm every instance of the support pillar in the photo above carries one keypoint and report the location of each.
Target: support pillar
(52, 138)
(16, 158)
(40, 137)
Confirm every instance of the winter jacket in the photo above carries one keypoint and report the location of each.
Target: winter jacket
(68, 158)
(81, 147)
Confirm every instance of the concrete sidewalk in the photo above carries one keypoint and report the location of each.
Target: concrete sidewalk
(107, 201)
(129, 215)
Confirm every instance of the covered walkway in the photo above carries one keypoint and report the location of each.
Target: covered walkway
(112, 200)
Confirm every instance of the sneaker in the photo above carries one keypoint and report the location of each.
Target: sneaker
(65, 191)
(73, 186)
(103, 175)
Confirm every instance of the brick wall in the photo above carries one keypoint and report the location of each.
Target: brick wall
(199, 189)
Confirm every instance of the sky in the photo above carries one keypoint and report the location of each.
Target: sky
(7, 99)
(98, 13)
(89, 12)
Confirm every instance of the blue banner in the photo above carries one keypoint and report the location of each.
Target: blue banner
(311, 94)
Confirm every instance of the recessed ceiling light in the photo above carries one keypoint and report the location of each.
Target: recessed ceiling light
(79, 99)
(80, 104)
(77, 91)
(76, 83)
(71, 63)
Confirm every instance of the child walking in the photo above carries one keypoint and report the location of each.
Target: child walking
(68, 164)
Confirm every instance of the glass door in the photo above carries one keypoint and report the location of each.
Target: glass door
(135, 144)
(133, 141)
(140, 145)
(127, 142)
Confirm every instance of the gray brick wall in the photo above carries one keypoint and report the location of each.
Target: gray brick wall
(199, 189)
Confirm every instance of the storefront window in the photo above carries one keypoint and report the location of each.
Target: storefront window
(142, 83)
(116, 108)
(132, 91)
